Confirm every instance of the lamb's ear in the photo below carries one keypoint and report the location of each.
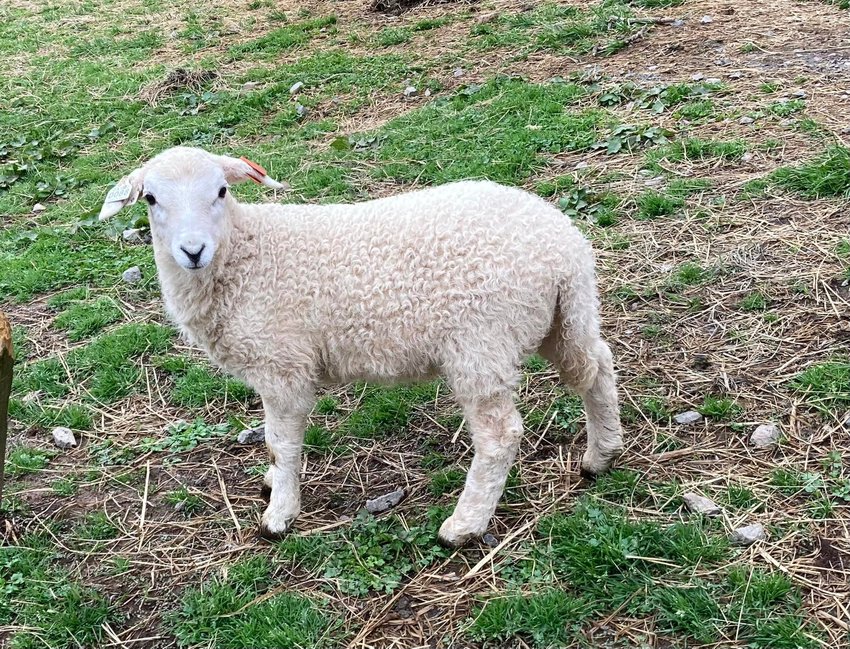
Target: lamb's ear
(238, 170)
(125, 192)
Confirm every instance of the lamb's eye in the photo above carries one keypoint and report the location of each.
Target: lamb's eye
(150, 199)
(222, 192)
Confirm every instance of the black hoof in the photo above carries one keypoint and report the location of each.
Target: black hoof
(268, 535)
(588, 475)
(266, 492)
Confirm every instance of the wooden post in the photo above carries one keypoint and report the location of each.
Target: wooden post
(6, 360)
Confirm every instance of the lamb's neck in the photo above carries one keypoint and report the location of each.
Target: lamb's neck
(193, 298)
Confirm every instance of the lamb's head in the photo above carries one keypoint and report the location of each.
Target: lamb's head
(186, 190)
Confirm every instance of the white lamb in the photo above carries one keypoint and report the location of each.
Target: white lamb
(462, 281)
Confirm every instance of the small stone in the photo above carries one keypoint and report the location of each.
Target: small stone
(64, 438)
(295, 87)
(697, 77)
(799, 94)
(706, 20)
(385, 502)
(458, 73)
(490, 540)
(678, 22)
(736, 75)
(133, 235)
(582, 165)
(301, 111)
(410, 91)
(764, 436)
(132, 275)
(179, 507)
(700, 504)
(746, 120)
(748, 535)
(427, 92)
(689, 417)
(747, 157)
(712, 81)
(252, 435)
(654, 182)
(249, 85)
(38, 208)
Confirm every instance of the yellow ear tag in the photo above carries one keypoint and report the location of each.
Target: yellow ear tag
(256, 168)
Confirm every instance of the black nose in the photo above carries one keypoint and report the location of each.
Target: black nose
(194, 257)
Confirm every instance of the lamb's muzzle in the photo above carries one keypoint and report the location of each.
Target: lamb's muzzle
(462, 281)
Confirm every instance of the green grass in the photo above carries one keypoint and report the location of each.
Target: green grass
(105, 370)
(383, 411)
(827, 175)
(373, 555)
(446, 481)
(83, 320)
(594, 561)
(188, 502)
(755, 301)
(826, 386)
(722, 408)
(22, 460)
(222, 612)
(283, 38)
(562, 29)
(653, 205)
(41, 597)
(197, 385)
(499, 131)
(696, 149)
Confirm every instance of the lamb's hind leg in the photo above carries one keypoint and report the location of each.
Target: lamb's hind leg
(585, 364)
(496, 429)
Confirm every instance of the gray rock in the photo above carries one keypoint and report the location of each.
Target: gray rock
(712, 81)
(427, 92)
(706, 20)
(700, 504)
(410, 91)
(132, 275)
(799, 94)
(582, 165)
(252, 435)
(250, 85)
(764, 436)
(678, 22)
(64, 438)
(746, 120)
(490, 540)
(301, 110)
(133, 235)
(38, 208)
(736, 75)
(697, 77)
(295, 87)
(385, 502)
(179, 507)
(748, 535)
(654, 182)
(458, 73)
(688, 417)
(747, 157)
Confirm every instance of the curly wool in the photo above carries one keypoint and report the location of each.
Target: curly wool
(404, 287)
(463, 281)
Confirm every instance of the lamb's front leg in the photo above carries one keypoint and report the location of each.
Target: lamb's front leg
(285, 422)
